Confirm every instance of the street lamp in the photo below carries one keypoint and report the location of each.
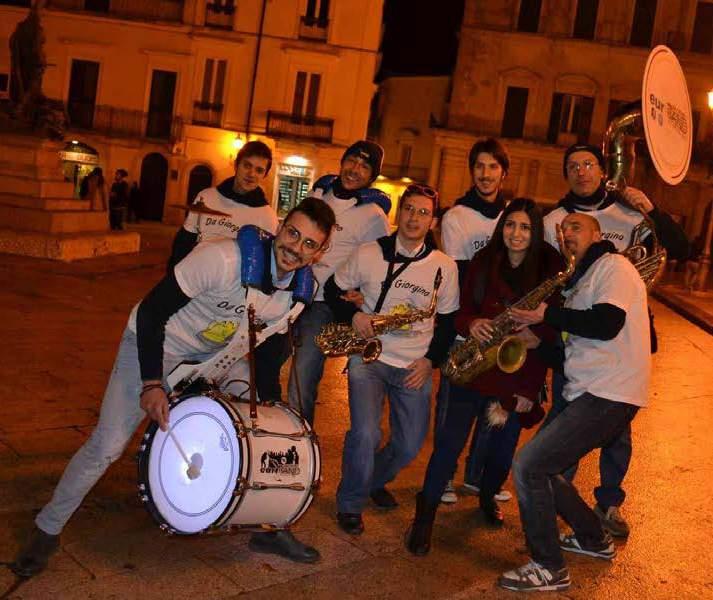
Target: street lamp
(704, 264)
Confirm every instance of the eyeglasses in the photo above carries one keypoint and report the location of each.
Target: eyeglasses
(411, 210)
(586, 165)
(309, 245)
(421, 190)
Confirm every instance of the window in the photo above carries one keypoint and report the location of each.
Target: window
(642, 27)
(317, 13)
(585, 21)
(570, 119)
(97, 5)
(208, 109)
(226, 7)
(514, 115)
(702, 38)
(529, 19)
(306, 97)
(219, 13)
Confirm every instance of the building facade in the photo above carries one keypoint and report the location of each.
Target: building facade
(543, 74)
(170, 89)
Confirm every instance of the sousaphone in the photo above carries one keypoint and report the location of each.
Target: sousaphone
(663, 118)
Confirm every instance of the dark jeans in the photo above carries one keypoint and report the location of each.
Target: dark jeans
(589, 422)
(462, 407)
(614, 459)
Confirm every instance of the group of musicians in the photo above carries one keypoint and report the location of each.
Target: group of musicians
(337, 244)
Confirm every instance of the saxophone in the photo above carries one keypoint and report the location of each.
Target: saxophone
(339, 339)
(472, 358)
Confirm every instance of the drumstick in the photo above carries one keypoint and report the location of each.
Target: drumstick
(193, 470)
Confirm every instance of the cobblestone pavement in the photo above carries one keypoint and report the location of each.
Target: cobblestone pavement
(61, 328)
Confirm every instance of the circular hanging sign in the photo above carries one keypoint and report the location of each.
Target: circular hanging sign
(666, 112)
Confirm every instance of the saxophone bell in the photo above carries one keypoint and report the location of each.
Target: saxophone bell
(371, 351)
(511, 355)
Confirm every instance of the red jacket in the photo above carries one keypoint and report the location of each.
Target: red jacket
(528, 380)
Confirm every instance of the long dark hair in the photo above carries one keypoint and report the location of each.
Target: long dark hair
(493, 257)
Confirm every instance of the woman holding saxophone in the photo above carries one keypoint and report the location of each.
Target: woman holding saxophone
(515, 261)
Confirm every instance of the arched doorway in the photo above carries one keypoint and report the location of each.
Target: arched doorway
(154, 172)
(199, 179)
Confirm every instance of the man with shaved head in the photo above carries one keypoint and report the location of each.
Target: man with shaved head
(606, 361)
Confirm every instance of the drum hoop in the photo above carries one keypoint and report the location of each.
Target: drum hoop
(143, 463)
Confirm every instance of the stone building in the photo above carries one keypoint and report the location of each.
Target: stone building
(171, 89)
(545, 73)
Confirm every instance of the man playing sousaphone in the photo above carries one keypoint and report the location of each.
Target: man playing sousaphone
(191, 315)
(398, 275)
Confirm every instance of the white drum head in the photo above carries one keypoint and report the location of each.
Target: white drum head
(191, 498)
(666, 112)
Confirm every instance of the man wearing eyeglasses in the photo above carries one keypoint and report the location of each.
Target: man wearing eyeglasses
(466, 229)
(396, 275)
(617, 213)
(191, 315)
(361, 214)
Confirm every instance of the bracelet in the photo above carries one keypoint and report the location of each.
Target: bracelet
(150, 386)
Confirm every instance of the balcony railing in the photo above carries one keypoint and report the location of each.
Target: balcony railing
(306, 127)
(140, 10)
(312, 28)
(123, 123)
(207, 113)
(220, 15)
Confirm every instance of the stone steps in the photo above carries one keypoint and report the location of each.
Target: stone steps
(33, 187)
(68, 247)
(43, 203)
(53, 221)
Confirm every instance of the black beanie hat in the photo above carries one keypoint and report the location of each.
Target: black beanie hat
(368, 151)
(595, 150)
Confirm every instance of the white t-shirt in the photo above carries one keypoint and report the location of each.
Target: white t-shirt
(465, 231)
(211, 226)
(617, 369)
(366, 269)
(616, 222)
(210, 275)
(356, 225)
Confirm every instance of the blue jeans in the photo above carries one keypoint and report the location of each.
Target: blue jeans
(542, 492)
(308, 364)
(462, 407)
(614, 458)
(363, 468)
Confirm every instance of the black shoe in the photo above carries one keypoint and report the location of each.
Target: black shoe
(33, 558)
(383, 499)
(492, 512)
(351, 523)
(418, 536)
(284, 544)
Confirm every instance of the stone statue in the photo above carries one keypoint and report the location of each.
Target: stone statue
(28, 64)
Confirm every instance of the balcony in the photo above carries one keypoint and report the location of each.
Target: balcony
(220, 15)
(124, 123)
(139, 10)
(419, 174)
(287, 125)
(312, 28)
(207, 113)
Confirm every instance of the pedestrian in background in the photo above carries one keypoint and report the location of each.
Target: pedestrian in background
(134, 203)
(118, 199)
(92, 188)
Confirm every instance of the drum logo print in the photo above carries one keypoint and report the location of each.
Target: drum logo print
(224, 444)
(280, 463)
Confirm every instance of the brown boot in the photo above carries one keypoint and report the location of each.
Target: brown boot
(418, 536)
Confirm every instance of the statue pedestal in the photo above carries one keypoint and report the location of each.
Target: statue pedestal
(39, 215)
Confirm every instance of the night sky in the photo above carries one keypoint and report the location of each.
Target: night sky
(420, 38)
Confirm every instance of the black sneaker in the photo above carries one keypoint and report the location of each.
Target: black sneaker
(350, 523)
(606, 550)
(33, 558)
(383, 499)
(612, 521)
(284, 544)
(533, 577)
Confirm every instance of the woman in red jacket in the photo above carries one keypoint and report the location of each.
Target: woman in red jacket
(515, 261)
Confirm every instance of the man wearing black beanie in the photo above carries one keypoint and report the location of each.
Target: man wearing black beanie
(362, 216)
(618, 213)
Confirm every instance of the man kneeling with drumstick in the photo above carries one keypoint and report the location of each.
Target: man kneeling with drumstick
(191, 314)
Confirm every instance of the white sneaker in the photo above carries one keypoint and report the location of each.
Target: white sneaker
(449, 494)
(474, 490)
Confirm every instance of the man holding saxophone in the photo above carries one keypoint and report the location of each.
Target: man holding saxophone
(617, 213)
(397, 275)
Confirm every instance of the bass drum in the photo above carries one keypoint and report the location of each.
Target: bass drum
(215, 469)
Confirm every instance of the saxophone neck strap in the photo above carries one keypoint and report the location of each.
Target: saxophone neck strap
(391, 276)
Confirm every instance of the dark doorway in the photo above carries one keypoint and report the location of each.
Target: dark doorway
(163, 89)
(199, 179)
(82, 93)
(154, 172)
